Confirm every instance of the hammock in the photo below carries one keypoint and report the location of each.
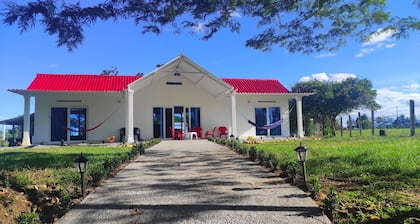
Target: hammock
(93, 128)
(267, 126)
(84, 130)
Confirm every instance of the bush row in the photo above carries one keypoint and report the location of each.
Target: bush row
(280, 164)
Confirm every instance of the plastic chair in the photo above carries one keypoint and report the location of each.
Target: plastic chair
(210, 133)
(176, 135)
(223, 131)
(198, 130)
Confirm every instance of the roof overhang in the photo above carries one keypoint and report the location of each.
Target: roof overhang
(279, 94)
(24, 92)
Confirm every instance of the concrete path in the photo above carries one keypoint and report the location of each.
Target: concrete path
(195, 182)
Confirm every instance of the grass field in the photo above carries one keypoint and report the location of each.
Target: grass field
(377, 178)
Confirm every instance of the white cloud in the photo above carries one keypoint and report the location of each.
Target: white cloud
(336, 77)
(413, 86)
(364, 51)
(329, 54)
(376, 41)
(199, 28)
(395, 102)
(379, 36)
(235, 14)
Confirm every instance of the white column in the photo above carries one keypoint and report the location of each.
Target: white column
(300, 133)
(129, 117)
(26, 141)
(233, 104)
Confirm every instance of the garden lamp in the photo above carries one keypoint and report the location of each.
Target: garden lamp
(81, 164)
(232, 140)
(302, 154)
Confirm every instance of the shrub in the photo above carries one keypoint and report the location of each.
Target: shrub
(262, 157)
(28, 218)
(244, 149)
(253, 153)
(314, 186)
(273, 161)
(4, 143)
(330, 203)
(19, 182)
(97, 172)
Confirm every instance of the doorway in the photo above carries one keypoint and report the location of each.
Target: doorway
(180, 118)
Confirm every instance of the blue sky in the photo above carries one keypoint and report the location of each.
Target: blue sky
(392, 65)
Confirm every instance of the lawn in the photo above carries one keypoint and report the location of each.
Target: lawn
(49, 181)
(376, 178)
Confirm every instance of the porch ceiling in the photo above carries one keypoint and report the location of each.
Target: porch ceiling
(188, 70)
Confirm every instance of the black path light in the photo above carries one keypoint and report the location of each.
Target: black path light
(81, 164)
(232, 140)
(302, 154)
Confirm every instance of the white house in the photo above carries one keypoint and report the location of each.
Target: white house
(178, 95)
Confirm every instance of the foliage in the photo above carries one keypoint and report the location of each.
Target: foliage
(300, 26)
(28, 218)
(333, 98)
(112, 71)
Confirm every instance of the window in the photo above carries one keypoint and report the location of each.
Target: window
(77, 124)
(60, 116)
(264, 116)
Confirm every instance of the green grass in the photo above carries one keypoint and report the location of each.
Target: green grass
(55, 157)
(377, 177)
(43, 173)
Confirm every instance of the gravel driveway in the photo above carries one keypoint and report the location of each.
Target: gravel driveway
(195, 182)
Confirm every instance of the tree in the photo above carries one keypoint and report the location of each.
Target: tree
(364, 121)
(112, 71)
(333, 98)
(305, 26)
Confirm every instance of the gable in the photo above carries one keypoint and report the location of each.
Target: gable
(80, 83)
(182, 69)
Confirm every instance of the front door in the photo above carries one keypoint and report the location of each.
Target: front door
(180, 118)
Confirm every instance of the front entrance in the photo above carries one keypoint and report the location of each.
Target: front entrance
(61, 116)
(180, 118)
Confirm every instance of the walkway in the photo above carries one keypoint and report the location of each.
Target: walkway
(195, 182)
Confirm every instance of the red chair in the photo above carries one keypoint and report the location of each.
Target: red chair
(176, 135)
(199, 131)
(223, 131)
(210, 133)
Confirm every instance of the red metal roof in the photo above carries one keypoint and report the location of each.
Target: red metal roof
(256, 85)
(81, 83)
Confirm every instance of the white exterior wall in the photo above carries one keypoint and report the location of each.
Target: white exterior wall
(215, 110)
(98, 106)
(246, 105)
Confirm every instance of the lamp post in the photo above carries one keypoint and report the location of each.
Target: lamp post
(232, 141)
(302, 154)
(81, 164)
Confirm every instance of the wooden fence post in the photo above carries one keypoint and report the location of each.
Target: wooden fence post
(412, 119)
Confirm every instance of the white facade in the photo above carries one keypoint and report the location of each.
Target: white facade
(152, 103)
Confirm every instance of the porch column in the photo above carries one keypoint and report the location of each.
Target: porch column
(300, 133)
(129, 132)
(26, 140)
(233, 104)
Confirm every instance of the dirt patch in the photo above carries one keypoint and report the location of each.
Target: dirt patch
(13, 204)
